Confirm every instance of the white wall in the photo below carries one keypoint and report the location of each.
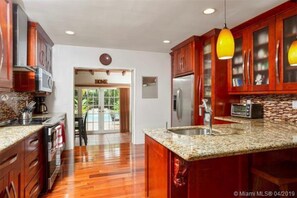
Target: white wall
(148, 113)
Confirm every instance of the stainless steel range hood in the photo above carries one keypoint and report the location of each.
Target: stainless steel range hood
(20, 29)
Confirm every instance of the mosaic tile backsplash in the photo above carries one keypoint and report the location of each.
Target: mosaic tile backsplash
(276, 107)
(12, 103)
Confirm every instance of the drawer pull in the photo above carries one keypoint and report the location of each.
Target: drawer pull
(34, 142)
(33, 163)
(7, 192)
(34, 189)
(8, 161)
(13, 189)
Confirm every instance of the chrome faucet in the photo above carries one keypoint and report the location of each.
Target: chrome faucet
(207, 109)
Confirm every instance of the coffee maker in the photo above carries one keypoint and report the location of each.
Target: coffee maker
(40, 107)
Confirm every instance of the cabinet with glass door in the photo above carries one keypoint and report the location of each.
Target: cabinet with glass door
(260, 57)
(286, 33)
(211, 81)
(252, 67)
(237, 67)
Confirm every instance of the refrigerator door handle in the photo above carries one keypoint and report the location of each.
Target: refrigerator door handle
(179, 104)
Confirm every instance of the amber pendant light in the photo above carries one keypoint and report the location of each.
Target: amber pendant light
(225, 42)
(292, 53)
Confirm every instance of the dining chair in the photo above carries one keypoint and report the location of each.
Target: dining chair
(84, 132)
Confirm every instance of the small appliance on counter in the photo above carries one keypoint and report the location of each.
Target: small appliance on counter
(251, 111)
(41, 107)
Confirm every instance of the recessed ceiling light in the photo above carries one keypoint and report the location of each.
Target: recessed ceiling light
(69, 32)
(209, 11)
(166, 41)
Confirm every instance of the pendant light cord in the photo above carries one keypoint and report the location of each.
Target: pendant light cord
(225, 14)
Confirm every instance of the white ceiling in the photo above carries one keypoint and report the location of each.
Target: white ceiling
(136, 24)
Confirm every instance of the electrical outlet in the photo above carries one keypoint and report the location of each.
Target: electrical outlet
(294, 104)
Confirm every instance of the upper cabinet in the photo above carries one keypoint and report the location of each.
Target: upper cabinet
(286, 33)
(184, 57)
(39, 55)
(237, 66)
(39, 47)
(211, 78)
(5, 45)
(260, 62)
(252, 67)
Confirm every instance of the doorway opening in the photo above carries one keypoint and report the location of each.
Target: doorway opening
(102, 102)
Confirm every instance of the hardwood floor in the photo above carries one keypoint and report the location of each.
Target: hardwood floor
(113, 170)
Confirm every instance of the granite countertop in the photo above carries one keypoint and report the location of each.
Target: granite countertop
(245, 136)
(12, 134)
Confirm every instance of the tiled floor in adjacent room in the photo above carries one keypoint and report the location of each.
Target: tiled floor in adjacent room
(107, 138)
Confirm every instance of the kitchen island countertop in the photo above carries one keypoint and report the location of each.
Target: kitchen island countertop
(244, 137)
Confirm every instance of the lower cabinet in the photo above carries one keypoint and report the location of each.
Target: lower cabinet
(168, 175)
(21, 168)
(33, 167)
(11, 172)
(156, 162)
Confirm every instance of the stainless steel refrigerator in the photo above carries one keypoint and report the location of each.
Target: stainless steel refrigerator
(182, 105)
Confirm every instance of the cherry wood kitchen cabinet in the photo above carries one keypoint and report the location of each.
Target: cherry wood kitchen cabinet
(156, 161)
(39, 55)
(11, 179)
(168, 175)
(33, 165)
(286, 33)
(21, 168)
(185, 57)
(253, 68)
(39, 47)
(211, 80)
(220, 176)
(260, 64)
(5, 45)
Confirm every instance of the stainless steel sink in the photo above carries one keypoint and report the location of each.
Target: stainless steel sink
(191, 131)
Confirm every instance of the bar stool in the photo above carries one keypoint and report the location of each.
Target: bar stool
(281, 174)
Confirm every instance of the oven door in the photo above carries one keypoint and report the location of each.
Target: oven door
(53, 155)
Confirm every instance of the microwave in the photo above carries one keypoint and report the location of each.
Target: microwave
(247, 110)
(44, 81)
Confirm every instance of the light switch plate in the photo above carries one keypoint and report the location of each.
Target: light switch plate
(294, 104)
(295, 138)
